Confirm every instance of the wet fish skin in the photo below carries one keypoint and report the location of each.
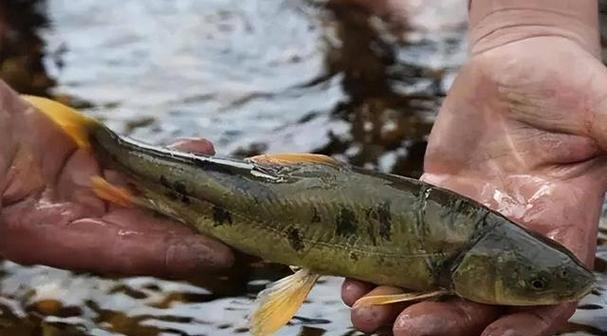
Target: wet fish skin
(341, 220)
(312, 215)
(331, 218)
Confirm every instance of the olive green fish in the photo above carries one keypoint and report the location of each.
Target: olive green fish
(330, 218)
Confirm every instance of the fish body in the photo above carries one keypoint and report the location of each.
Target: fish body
(331, 218)
(326, 216)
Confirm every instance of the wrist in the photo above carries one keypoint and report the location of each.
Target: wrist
(494, 23)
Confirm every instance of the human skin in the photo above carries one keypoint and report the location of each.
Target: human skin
(49, 215)
(523, 130)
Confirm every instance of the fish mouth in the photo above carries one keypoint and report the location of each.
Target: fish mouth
(591, 284)
(584, 287)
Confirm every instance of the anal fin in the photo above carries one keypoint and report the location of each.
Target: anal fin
(277, 304)
(112, 193)
(395, 298)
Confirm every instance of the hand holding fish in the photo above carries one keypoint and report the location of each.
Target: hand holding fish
(49, 216)
(523, 131)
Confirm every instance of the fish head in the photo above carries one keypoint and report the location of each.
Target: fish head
(509, 265)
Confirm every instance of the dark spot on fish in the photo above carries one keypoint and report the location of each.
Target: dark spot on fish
(165, 182)
(456, 213)
(442, 265)
(256, 200)
(295, 239)
(385, 220)
(315, 215)
(371, 234)
(221, 216)
(172, 195)
(353, 256)
(177, 190)
(179, 187)
(184, 199)
(485, 222)
(388, 263)
(370, 214)
(346, 223)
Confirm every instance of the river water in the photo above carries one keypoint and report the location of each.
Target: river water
(252, 76)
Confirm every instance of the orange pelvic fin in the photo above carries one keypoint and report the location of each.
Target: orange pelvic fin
(112, 193)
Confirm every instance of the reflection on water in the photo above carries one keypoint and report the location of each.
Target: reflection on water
(21, 48)
(253, 76)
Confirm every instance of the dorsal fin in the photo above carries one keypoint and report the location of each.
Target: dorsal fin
(294, 158)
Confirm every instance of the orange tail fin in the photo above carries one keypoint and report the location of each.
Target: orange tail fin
(73, 123)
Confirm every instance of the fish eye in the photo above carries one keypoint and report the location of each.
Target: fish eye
(538, 283)
(563, 273)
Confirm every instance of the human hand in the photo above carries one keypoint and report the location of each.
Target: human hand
(49, 215)
(524, 131)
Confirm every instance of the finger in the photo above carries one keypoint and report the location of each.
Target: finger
(455, 317)
(352, 290)
(542, 321)
(370, 318)
(74, 182)
(152, 247)
(194, 145)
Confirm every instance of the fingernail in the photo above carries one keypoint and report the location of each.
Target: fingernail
(509, 332)
(369, 319)
(194, 145)
(353, 290)
(499, 328)
(424, 325)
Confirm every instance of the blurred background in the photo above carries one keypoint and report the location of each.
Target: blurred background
(252, 76)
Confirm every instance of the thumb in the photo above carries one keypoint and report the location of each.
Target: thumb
(194, 145)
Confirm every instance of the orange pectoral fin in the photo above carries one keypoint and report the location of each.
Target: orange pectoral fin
(112, 193)
(293, 158)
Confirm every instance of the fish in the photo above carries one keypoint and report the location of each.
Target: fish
(323, 217)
